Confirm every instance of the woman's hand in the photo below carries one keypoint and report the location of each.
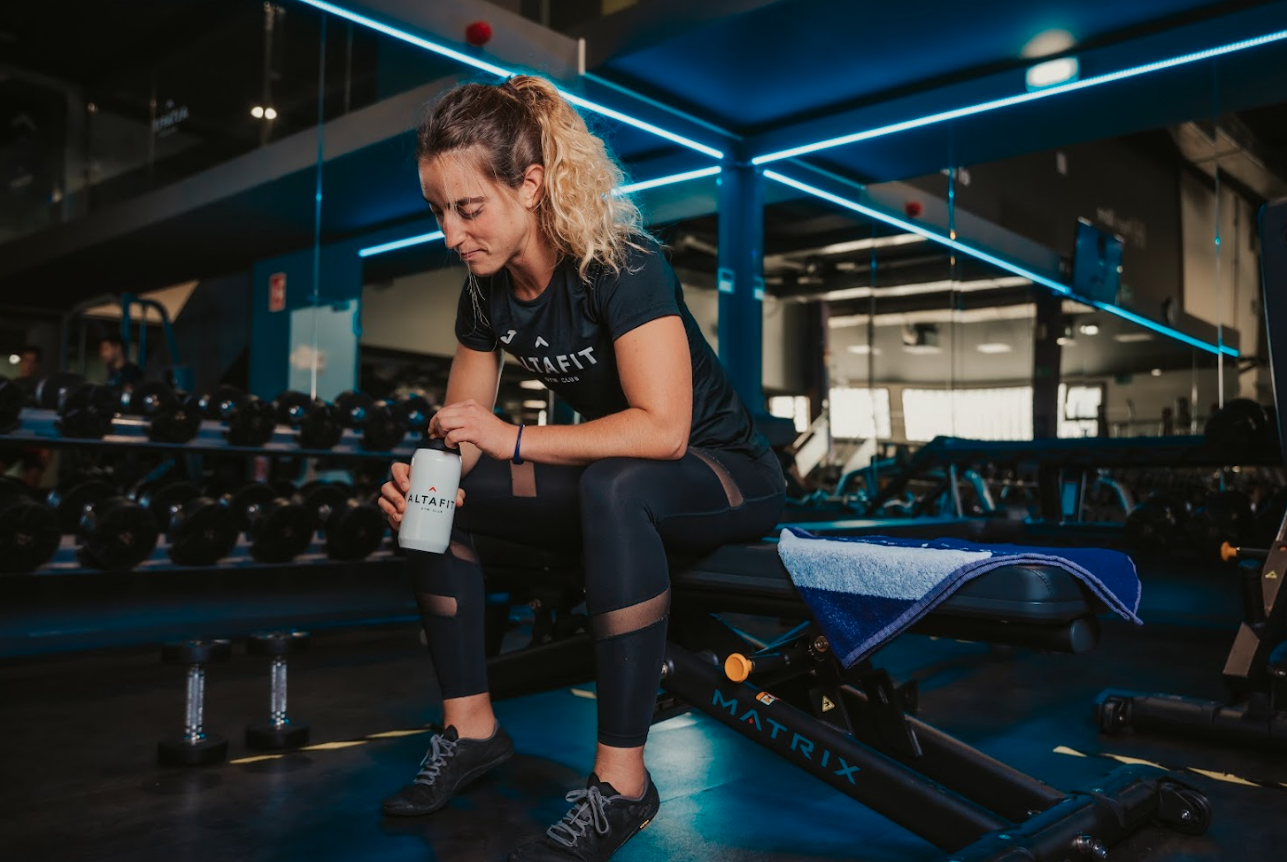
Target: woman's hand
(393, 494)
(471, 422)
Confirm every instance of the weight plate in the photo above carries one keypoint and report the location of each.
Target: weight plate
(354, 531)
(202, 532)
(87, 411)
(280, 531)
(162, 500)
(382, 431)
(50, 390)
(222, 403)
(72, 503)
(354, 408)
(117, 534)
(252, 424)
(28, 534)
(280, 643)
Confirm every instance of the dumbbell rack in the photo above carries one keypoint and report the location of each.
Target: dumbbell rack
(64, 606)
(38, 427)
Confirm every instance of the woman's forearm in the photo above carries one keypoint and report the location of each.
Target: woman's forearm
(632, 433)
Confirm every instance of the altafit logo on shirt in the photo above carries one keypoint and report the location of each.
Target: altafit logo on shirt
(558, 368)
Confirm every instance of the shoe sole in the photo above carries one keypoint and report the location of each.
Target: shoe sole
(465, 779)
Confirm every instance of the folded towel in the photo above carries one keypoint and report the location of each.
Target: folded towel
(864, 590)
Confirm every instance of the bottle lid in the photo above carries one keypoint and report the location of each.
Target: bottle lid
(439, 444)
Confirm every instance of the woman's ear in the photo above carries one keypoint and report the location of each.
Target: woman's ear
(532, 190)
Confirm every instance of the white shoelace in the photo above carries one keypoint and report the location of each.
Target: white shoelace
(435, 759)
(590, 809)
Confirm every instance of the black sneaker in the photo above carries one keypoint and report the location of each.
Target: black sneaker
(601, 820)
(448, 765)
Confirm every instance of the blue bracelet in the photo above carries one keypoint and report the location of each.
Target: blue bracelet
(518, 441)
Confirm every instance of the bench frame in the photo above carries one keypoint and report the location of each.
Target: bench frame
(851, 728)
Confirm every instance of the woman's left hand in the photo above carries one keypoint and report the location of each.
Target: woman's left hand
(471, 422)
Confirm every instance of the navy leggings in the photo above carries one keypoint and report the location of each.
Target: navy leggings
(623, 515)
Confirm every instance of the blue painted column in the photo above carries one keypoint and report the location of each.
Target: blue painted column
(741, 281)
(291, 330)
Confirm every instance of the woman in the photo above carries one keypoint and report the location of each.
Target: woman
(563, 278)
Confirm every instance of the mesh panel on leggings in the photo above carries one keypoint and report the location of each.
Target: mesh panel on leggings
(631, 618)
(439, 606)
(461, 551)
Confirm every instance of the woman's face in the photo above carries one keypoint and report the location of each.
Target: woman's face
(487, 224)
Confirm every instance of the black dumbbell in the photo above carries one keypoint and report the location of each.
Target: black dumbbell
(352, 530)
(316, 423)
(50, 389)
(71, 503)
(250, 421)
(86, 411)
(384, 428)
(414, 412)
(11, 401)
(201, 531)
(279, 529)
(29, 532)
(116, 534)
(194, 747)
(173, 417)
(354, 408)
(381, 425)
(278, 731)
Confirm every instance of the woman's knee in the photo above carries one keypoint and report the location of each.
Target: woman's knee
(613, 483)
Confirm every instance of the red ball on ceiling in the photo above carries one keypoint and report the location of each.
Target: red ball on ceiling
(478, 33)
(912, 208)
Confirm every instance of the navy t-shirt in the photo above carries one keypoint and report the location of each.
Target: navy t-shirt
(565, 336)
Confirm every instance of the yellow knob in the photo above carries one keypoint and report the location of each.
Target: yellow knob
(1228, 552)
(737, 667)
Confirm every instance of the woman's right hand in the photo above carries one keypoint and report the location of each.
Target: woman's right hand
(393, 494)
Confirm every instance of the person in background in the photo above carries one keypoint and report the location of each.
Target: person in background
(28, 378)
(122, 373)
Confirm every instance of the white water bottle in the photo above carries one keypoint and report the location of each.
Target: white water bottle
(431, 502)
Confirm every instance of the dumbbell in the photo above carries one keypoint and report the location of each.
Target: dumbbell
(173, 417)
(194, 747)
(278, 731)
(29, 532)
(85, 410)
(414, 412)
(352, 529)
(279, 529)
(381, 427)
(11, 401)
(250, 421)
(114, 533)
(201, 531)
(316, 423)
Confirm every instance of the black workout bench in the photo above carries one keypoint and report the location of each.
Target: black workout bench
(851, 728)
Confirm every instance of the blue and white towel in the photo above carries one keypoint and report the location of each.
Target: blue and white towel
(864, 590)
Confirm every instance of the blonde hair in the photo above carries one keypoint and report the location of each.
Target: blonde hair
(525, 121)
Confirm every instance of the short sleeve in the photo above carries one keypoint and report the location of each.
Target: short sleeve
(644, 290)
(473, 327)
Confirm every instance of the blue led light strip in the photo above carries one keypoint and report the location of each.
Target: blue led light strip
(622, 190)
(1019, 99)
(400, 243)
(501, 72)
(979, 254)
(631, 188)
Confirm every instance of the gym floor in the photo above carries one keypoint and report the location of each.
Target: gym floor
(79, 780)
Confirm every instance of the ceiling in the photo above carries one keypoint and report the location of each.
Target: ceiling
(770, 74)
